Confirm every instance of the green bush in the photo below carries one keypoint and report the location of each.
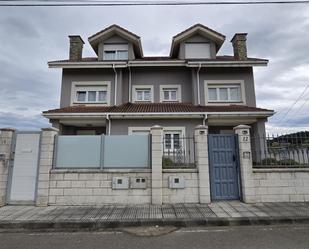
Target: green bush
(167, 162)
(269, 161)
(288, 162)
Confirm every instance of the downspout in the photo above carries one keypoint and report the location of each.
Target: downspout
(116, 85)
(109, 124)
(130, 79)
(204, 119)
(198, 84)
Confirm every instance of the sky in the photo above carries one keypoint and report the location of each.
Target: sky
(32, 36)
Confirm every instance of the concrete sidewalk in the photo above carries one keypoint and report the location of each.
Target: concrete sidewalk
(180, 215)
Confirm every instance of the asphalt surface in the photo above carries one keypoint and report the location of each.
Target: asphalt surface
(247, 237)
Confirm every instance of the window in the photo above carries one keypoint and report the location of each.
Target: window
(224, 93)
(90, 93)
(115, 52)
(197, 51)
(91, 96)
(170, 93)
(142, 93)
(172, 140)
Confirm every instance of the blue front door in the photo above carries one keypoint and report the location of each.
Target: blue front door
(223, 166)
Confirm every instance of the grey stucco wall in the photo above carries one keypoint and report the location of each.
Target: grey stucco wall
(120, 127)
(72, 75)
(245, 73)
(156, 76)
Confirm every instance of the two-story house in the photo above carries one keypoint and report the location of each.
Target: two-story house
(121, 91)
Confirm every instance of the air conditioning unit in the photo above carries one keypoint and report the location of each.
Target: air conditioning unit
(177, 182)
(120, 183)
(138, 182)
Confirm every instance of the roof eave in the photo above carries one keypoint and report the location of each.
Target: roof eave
(123, 64)
(56, 115)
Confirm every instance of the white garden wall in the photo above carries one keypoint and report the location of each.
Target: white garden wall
(281, 185)
(75, 187)
(189, 194)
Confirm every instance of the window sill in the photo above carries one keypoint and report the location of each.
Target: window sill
(143, 101)
(90, 103)
(226, 103)
(170, 101)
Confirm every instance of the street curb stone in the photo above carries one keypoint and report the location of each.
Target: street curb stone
(7, 226)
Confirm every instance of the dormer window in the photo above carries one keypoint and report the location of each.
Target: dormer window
(197, 50)
(115, 52)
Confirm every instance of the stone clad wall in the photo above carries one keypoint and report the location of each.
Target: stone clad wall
(190, 194)
(281, 185)
(86, 188)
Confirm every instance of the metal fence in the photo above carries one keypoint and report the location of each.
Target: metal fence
(178, 152)
(280, 151)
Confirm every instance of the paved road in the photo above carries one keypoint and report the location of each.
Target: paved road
(255, 237)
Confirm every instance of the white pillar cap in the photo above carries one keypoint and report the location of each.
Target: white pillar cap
(156, 127)
(50, 129)
(201, 127)
(238, 127)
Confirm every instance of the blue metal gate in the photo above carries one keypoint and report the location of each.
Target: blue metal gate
(223, 166)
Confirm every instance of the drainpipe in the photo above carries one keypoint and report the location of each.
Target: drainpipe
(109, 124)
(204, 119)
(116, 85)
(198, 84)
(130, 79)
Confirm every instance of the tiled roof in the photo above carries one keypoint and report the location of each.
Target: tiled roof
(202, 26)
(167, 58)
(155, 108)
(114, 26)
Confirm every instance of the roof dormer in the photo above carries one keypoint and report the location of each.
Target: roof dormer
(116, 43)
(196, 42)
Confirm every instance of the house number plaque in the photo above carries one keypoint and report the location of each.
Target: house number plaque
(245, 139)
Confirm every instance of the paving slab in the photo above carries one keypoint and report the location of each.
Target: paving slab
(112, 216)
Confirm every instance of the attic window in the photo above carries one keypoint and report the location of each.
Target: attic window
(115, 52)
(197, 51)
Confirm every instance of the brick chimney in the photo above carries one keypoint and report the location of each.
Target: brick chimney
(239, 42)
(76, 47)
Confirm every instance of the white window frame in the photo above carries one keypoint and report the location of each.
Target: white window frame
(171, 87)
(89, 86)
(116, 47)
(135, 88)
(224, 83)
(166, 129)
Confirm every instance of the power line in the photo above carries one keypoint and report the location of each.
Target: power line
(295, 102)
(299, 109)
(23, 3)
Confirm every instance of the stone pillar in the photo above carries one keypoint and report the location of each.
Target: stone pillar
(156, 157)
(201, 154)
(46, 163)
(6, 140)
(245, 160)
